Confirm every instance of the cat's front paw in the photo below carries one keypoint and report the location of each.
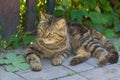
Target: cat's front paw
(102, 63)
(35, 66)
(57, 61)
(77, 60)
(74, 61)
(34, 62)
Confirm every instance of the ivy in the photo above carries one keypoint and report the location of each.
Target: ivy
(14, 62)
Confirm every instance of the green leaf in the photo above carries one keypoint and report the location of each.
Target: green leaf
(106, 6)
(79, 18)
(66, 3)
(71, 73)
(92, 4)
(24, 66)
(59, 13)
(17, 62)
(103, 2)
(10, 56)
(109, 33)
(14, 41)
(17, 58)
(117, 28)
(11, 68)
(97, 8)
(60, 8)
(78, 15)
(21, 59)
(98, 18)
(83, 12)
(74, 14)
(119, 47)
(1, 61)
(6, 61)
(99, 28)
(28, 39)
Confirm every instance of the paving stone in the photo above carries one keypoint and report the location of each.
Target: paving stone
(8, 75)
(78, 68)
(20, 50)
(48, 72)
(94, 62)
(103, 73)
(1, 55)
(74, 77)
(119, 53)
(23, 71)
(115, 78)
(118, 60)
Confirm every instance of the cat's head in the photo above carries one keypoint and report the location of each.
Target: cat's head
(52, 30)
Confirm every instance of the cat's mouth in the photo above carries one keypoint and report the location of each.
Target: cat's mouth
(48, 41)
(53, 41)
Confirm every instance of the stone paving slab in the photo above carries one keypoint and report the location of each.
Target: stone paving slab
(88, 70)
(78, 68)
(74, 77)
(103, 73)
(118, 60)
(94, 62)
(47, 73)
(115, 78)
(8, 75)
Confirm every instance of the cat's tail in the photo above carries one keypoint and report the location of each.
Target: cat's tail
(113, 54)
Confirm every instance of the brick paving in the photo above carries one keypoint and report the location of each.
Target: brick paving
(84, 71)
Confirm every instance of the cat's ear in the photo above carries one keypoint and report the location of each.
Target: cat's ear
(44, 16)
(61, 23)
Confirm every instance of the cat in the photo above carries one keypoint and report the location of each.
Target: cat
(56, 39)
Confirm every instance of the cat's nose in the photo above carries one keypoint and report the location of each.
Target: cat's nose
(46, 35)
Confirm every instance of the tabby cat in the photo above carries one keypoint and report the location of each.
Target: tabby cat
(56, 39)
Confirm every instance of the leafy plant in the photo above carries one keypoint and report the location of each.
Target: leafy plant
(71, 73)
(15, 41)
(99, 14)
(14, 62)
(103, 15)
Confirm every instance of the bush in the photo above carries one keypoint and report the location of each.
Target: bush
(103, 15)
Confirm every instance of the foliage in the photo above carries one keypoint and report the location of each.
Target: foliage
(100, 14)
(15, 41)
(103, 15)
(14, 62)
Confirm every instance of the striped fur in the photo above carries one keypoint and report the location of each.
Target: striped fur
(56, 39)
(88, 42)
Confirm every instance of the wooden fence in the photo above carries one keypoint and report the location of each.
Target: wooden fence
(10, 19)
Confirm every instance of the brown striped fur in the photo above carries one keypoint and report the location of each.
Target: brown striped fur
(56, 38)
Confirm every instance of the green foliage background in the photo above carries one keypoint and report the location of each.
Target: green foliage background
(103, 15)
